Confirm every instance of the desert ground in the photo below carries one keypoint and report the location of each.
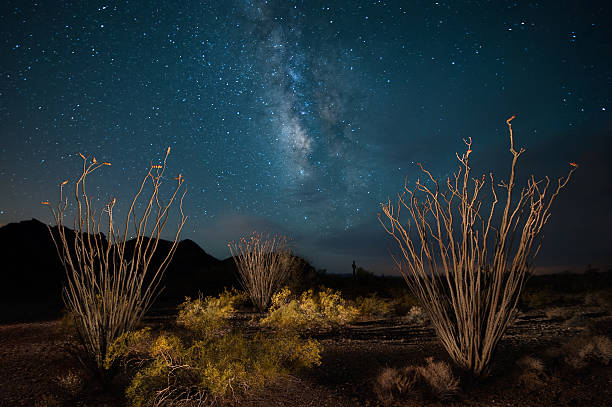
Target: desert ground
(38, 368)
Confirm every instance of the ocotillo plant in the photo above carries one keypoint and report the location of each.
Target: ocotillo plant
(109, 288)
(468, 274)
(264, 264)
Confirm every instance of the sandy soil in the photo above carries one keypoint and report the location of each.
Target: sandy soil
(37, 370)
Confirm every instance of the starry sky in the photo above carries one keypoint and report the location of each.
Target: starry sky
(301, 117)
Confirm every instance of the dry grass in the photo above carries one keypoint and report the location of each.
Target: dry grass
(435, 379)
(439, 376)
(393, 384)
(416, 316)
(71, 382)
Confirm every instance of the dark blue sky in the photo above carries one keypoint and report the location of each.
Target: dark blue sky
(300, 117)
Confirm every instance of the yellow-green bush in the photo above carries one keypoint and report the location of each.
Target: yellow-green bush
(205, 368)
(131, 342)
(216, 369)
(373, 306)
(312, 310)
(209, 316)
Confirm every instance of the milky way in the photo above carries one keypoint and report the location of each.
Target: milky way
(300, 117)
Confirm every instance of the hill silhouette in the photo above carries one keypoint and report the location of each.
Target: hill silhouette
(32, 275)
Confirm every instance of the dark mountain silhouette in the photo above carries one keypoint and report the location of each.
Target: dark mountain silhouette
(32, 276)
(191, 270)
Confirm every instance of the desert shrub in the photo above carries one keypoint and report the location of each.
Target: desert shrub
(364, 274)
(197, 368)
(264, 264)
(373, 306)
(323, 309)
(581, 351)
(131, 343)
(110, 282)
(70, 382)
(213, 370)
(416, 316)
(209, 316)
(435, 379)
(403, 302)
(393, 384)
(302, 276)
(440, 379)
(466, 264)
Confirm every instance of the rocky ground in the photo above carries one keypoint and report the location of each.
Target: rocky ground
(37, 369)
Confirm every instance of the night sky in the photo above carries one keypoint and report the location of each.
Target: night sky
(300, 117)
